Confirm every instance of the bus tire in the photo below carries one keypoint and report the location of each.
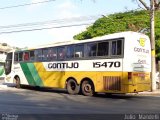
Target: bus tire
(17, 82)
(72, 87)
(87, 88)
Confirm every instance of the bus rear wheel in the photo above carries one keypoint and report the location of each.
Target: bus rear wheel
(17, 82)
(72, 87)
(87, 88)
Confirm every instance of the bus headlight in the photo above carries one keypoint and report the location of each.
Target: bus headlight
(8, 78)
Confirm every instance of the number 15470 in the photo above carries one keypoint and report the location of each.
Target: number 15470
(115, 64)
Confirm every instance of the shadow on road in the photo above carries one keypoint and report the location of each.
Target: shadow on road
(115, 96)
(97, 95)
(44, 89)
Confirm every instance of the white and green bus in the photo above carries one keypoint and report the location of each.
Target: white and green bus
(115, 63)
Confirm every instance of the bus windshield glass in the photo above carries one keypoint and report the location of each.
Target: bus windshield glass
(8, 63)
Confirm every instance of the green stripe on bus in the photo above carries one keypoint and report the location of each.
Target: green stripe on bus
(35, 74)
(31, 74)
(27, 74)
(1, 70)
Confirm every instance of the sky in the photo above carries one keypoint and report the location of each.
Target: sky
(60, 12)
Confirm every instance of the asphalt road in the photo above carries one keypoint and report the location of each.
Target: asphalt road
(32, 102)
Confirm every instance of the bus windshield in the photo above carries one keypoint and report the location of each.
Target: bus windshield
(8, 63)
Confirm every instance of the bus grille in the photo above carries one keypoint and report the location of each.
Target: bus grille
(112, 82)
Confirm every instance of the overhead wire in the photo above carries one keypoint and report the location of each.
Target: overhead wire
(58, 23)
(38, 29)
(50, 24)
(26, 4)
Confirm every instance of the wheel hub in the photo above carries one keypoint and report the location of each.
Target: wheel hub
(73, 86)
(87, 88)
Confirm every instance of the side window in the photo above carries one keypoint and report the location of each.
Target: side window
(52, 54)
(32, 56)
(16, 57)
(79, 51)
(91, 49)
(38, 55)
(119, 47)
(103, 49)
(26, 56)
(45, 55)
(70, 51)
(116, 47)
(20, 56)
(61, 53)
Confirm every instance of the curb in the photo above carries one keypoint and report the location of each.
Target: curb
(148, 93)
(3, 86)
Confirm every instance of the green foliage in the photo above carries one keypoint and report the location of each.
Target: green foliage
(118, 22)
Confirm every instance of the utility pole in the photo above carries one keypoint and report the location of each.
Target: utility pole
(152, 37)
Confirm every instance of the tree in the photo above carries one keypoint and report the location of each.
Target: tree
(127, 21)
(156, 4)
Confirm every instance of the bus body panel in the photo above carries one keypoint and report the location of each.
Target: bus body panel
(137, 62)
(137, 55)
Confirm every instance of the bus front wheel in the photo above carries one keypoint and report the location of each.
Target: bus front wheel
(87, 88)
(17, 82)
(72, 87)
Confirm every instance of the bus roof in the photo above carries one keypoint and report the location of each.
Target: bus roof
(109, 36)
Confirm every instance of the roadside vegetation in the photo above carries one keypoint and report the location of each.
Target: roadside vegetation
(127, 21)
